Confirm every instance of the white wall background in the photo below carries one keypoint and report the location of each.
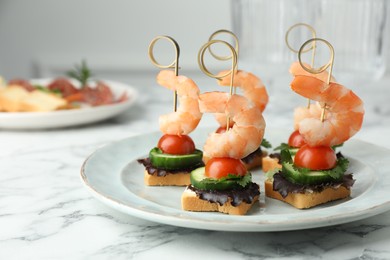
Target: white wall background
(42, 37)
(45, 37)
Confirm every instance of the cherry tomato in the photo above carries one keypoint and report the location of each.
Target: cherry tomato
(221, 167)
(176, 144)
(315, 158)
(296, 139)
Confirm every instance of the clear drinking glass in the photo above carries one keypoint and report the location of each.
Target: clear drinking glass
(357, 29)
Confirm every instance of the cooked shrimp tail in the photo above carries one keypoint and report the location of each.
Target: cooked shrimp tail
(252, 87)
(188, 115)
(344, 112)
(246, 134)
(297, 70)
(300, 113)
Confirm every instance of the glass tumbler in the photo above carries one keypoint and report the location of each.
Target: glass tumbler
(357, 29)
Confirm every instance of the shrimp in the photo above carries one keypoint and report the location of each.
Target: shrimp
(297, 70)
(246, 134)
(343, 117)
(314, 110)
(187, 116)
(300, 113)
(253, 89)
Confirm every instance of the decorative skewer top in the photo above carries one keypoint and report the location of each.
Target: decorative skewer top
(320, 69)
(236, 44)
(231, 72)
(313, 46)
(174, 64)
(233, 57)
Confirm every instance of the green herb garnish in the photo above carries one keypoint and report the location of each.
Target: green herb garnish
(243, 181)
(270, 174)
(265, 143)
(81, 73)
(282, 146)
(340, 168)
(285, 156)
(334, 147)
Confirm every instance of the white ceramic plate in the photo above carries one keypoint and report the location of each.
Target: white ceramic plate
(115, 178)
(66, 118)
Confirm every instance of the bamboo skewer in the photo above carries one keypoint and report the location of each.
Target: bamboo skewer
(174, 64)
(313, 46)
(321, 69)
(231, 72)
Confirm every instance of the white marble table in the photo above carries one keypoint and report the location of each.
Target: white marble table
(46, 213)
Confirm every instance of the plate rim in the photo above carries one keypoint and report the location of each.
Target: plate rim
(199, 223)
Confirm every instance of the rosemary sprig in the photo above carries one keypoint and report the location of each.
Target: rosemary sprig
(81, 73)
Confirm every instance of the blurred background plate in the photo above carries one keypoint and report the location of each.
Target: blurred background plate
(73, 117)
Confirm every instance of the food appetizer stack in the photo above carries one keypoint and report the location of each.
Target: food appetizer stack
(216, 179)
(254, 90)
(315, 174)
(224, 184)
(295, 140)
(175, 156)
(171, 161)
(307, 172)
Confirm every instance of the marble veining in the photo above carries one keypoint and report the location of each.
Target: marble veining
(46, 213)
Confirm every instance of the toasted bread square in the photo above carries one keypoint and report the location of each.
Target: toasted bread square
(191, 202)
(173, 179)
(307, 199)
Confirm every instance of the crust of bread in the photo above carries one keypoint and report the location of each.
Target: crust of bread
(174, 179)
(307, 200)
(269, 163)
(191, 202)
(256, 161)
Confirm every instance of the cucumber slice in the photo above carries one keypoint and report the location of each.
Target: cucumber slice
(174, 162)
(305, 177)
(200, 181)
